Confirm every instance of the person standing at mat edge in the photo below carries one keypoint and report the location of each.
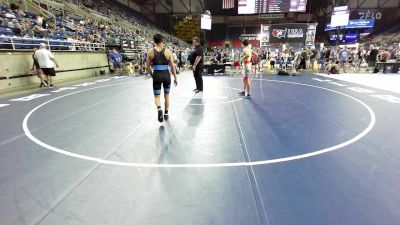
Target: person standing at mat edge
(159, 58)
(46, 61)
(248, 53)
(197, 65)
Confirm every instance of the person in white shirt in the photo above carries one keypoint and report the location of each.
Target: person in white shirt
(39, 20)
(285, 59)
(10, 15)
(272, 61)
(46, 61)
(37, 71)
(236, 61)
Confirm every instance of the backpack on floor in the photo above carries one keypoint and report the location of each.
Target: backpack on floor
(334, 71)
(283, 73)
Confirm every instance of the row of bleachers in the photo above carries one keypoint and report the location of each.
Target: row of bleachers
(105, 7)
(6, 31)
(12, 22)
(64, 28)
(387, 35)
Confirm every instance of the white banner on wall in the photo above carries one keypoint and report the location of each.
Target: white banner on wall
(282, 34)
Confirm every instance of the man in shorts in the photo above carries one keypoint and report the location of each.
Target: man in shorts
(263, 60)
(272, 60)
(37, 71)
(46, 61)
(248, 53)
(236, 60)
(303, 60)
(372, 57)
(160, 59)
(343, 58)
(314, 56)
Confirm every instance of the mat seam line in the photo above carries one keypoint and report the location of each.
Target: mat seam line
(241, 137)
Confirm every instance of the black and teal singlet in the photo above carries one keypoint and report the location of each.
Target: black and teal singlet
(161, 76)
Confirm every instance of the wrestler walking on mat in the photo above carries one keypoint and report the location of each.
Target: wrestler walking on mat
(160, 59)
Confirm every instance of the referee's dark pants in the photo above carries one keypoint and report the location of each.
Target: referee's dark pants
(198, 77)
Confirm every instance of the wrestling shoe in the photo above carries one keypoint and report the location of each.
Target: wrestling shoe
(160, 116)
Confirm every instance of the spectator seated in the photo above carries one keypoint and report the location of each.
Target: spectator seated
(27, 29)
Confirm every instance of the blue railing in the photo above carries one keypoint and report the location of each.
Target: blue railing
(15, 43)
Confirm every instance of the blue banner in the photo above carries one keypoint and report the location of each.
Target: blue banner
(354, 24)
(360, 24)
(344, 38)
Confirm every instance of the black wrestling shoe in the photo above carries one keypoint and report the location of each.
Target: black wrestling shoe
(242, 93)
(160, 116)
(166, 116)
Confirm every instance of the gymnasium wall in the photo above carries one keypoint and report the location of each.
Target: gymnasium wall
(15, 68)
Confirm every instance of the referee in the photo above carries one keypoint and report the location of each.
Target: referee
(197, 66)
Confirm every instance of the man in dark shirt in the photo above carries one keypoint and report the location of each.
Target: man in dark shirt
(313, 57)
(214, 60)
(327, 55)
(180, 59)
(372, 56)
(303, 59)
(219, 55)
(197, 65)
